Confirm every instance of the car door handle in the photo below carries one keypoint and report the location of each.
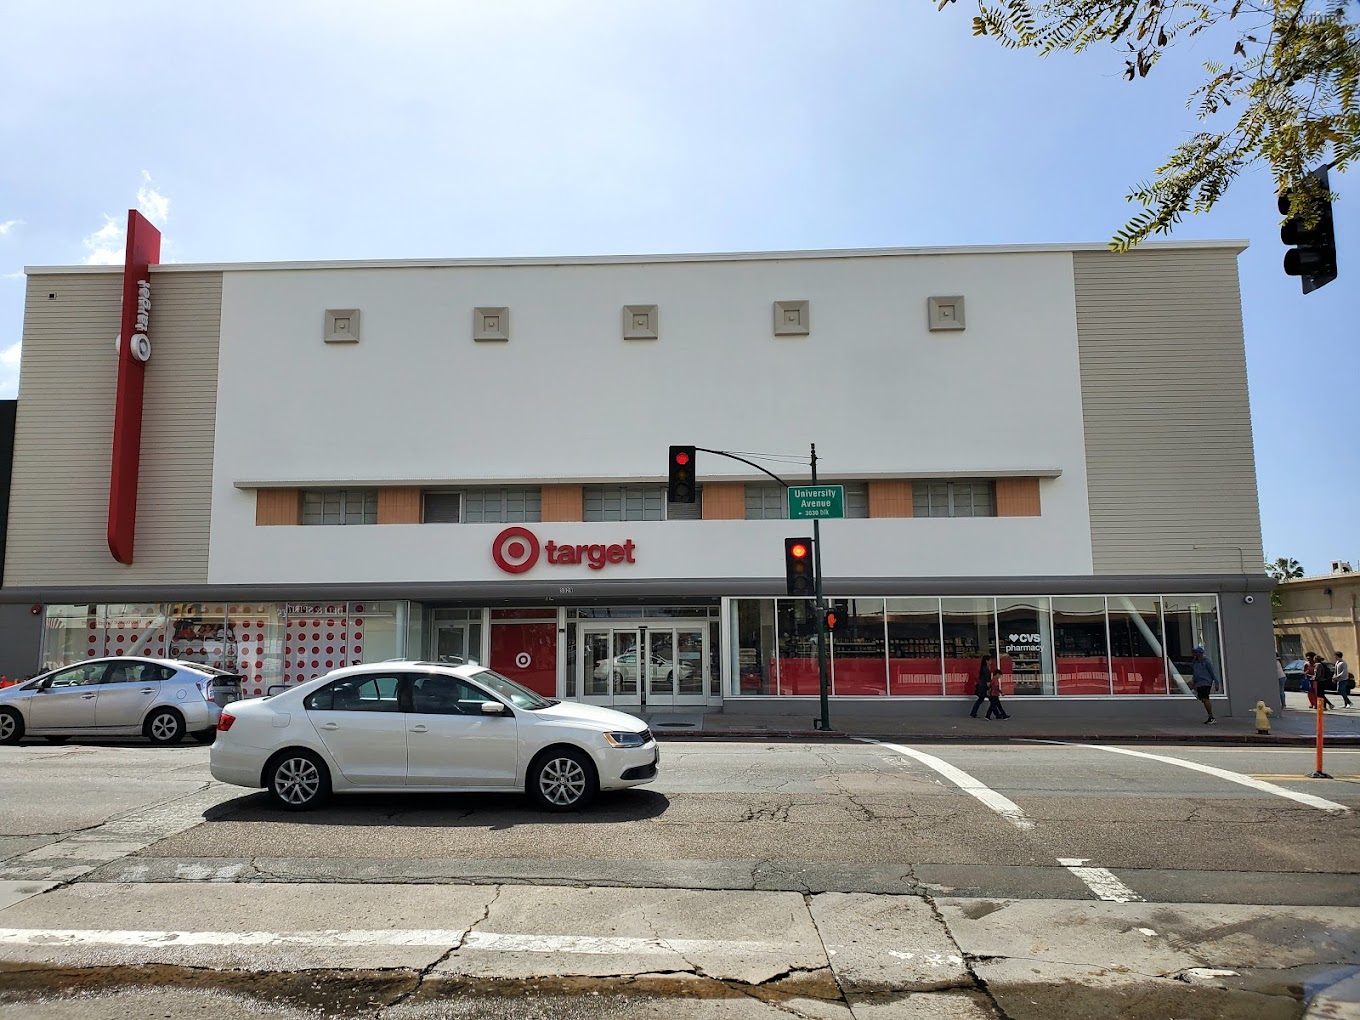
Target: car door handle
(148, 690)
(331, 726)
(88, 697)
(420, 729)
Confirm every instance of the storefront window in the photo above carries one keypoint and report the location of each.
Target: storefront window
(798, 666)
(1137, 665)
(914, 667)
(1191, 620)
(858, 664)
(1026, 645)
(1080, 644)
(754, 666)
(258, 631)
(71, 633)
(969, 633)
(200, 632)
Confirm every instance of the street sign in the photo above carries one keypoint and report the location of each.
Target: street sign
(807, 502)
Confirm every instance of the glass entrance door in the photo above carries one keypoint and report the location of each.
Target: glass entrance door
(651, 663)
(678, 666)
(452, 642)
(608, 666)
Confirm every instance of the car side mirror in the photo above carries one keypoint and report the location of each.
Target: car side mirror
(492, 708)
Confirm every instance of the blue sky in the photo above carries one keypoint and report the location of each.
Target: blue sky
(304, 130)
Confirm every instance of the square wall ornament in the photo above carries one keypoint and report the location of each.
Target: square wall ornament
(491, 324)
(945, 313)
(791, 318)
(342, 326)
(640, 322)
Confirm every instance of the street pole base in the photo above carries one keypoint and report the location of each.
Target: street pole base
(1318, 775)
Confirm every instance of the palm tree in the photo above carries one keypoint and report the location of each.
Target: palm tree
(1284, 568)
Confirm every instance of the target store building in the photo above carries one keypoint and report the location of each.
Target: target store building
(282, 468)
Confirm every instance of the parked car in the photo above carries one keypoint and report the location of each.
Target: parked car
(428, 727)
(625, 667)
(124, 695)
(1294, 679)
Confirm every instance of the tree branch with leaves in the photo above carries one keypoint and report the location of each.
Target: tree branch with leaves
(1292, 73)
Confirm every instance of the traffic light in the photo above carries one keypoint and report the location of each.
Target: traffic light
(798, 565)
(833, 617)
(680, 478)
(1313, 252)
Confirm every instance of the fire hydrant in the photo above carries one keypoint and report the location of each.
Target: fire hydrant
(1263, 715)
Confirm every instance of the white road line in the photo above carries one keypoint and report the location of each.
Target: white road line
(1003, 806)
(461, 938)
(593, 945)
(1234, 777)
(328, 939)
(1100, 881)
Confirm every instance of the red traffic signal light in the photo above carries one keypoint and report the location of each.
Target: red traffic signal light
(832, 618)
(798, 566)
(680, 475)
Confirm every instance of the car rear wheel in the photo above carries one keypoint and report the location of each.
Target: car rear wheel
(298, 780)
(205, 736)
(563, 780)
(164, 726)
(11, 726)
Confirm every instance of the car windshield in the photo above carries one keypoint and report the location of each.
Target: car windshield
(520, 697)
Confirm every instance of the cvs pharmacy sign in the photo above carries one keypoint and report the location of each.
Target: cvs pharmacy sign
(516, 550)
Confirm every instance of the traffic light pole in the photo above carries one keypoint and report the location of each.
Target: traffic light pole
(823, 675)
(820, 609)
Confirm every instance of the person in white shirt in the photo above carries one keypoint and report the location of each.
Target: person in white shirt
(1279, 674)
(1344, 681)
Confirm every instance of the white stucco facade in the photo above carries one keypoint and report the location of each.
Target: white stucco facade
(417, 402)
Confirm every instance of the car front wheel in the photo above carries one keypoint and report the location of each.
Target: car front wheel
(164, 726)
(563, 780)
(11, 726)
(298, 781)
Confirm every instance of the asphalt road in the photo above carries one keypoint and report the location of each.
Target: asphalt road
(959, 849)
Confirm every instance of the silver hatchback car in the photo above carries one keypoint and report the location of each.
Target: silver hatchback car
(124, 695)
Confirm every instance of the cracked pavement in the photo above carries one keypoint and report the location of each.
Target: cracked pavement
(753, 879)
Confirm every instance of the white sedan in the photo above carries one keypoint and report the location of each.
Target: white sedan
(427, 727)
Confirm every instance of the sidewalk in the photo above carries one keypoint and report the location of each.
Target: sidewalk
(1296, 724)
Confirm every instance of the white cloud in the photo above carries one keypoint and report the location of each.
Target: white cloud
(151, 203)
(7, 226)
(106, 245)
(9, 370)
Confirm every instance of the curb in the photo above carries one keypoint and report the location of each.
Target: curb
(1011, 737)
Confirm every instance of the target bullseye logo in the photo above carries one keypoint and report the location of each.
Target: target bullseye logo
(524, 660)
(515, 550)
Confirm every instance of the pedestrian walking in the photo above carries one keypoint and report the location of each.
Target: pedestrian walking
(994, 698)
(1309, 665)
(1322, 676)
(983, 684)
(1344, 681)
(1202, 673)
(1279, 673)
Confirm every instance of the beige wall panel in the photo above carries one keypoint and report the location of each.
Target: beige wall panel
(399, 505)
(278, 506)
(562, 503)
(1017, 497)
(1169, 457)
(724, 501)
(890, 498)
(68, 373)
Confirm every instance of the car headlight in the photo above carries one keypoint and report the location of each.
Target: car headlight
(618, 739)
